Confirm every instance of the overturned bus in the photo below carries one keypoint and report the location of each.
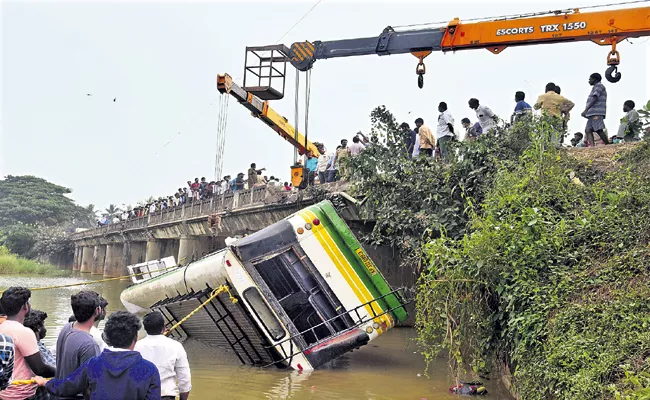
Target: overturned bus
(306, 293)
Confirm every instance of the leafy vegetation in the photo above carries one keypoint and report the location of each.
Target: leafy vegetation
(32, 208)
(415, 199)
(532, 261)
(12, 264)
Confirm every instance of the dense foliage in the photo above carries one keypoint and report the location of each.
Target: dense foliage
(31, 208)
(415, 199)
(533, 261)
(550, 280)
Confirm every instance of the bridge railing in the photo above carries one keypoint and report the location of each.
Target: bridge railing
(226, 201)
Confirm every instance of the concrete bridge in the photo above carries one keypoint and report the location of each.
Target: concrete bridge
(193, 230)
(187, 232)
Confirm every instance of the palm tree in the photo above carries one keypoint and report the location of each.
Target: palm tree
(112, 210)
(91, 214)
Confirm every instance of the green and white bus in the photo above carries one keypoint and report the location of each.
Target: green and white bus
(307, 292)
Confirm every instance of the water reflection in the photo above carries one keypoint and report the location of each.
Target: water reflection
(387, 368)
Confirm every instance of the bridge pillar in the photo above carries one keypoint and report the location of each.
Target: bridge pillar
(114, 261)
(86, 259)
(153, 249)
(98, 259)
(192, 248)
(138, 253)
(75, 260)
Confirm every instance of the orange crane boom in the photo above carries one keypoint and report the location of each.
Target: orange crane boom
(606, 27)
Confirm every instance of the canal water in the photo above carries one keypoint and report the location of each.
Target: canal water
(388, 368)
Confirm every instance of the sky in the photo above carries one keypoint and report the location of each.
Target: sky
(159, 61)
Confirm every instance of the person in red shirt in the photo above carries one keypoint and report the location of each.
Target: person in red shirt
(28, 361)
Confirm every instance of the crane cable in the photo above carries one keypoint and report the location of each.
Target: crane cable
(222, 125)
(296, 116)
(307, 96)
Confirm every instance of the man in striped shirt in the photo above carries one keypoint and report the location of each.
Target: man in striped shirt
(596, 109)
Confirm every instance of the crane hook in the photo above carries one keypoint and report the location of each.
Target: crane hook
(420, 70)
(613, 60)
(612, 74)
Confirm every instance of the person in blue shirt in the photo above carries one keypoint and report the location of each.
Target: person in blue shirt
(118, 373)
(312, 166)
(522, 109)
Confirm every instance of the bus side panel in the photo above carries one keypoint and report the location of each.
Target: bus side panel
(330, 234)
(336, 276)
(370, 269)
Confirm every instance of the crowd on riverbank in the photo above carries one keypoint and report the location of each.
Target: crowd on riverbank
(87, 363)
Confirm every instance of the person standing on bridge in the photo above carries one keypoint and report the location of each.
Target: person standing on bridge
(168, 356)
(253, 173)
(238, 182)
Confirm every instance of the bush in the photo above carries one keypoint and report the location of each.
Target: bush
(11, 264)
(549, 278)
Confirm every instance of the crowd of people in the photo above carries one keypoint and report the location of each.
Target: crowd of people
(420, 141)
(88, 364)
(199, 190)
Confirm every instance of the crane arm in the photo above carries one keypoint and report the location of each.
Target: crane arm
(606, 27)
(260, 109)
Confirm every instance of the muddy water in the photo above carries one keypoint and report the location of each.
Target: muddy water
(387, 368)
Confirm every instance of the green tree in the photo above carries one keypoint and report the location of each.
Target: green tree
(52, 243)
(31, 200)
(27, 202)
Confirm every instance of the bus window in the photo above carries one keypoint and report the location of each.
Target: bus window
(301, 297)
(265, 315)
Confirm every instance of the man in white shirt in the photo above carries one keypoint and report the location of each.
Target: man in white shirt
(356, 147)
(416, 146)
(444, 131)
(323, 162)
(168, 356)
(486, 118)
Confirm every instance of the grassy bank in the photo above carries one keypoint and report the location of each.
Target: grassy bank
(10, 264)
(550, 280)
